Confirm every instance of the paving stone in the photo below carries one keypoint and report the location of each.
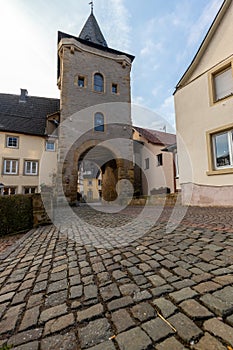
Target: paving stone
(110, 292)
(75, 280)
(120, 303)
(159, 291)
(208, 342)
(141, 295)
(25, 337)
(134, 339)
(94, 333)
(90, 292)
(6, 297)
(165, 307)
(56, 298)
(57, 286)
(53, 312)
(183, 294)
(59, 323)
(10, 318)
(129, 289)
(157, 280)
(122, 320)
(108, 345)
(3, 308)
(20, 297)
(118, 274)
(183, 284)
(143, 312)
(218, 306)
(157, 329)
(30, 318)
(171, 343)
(195, 310)
(34, 345)
(27, 284)
(219, 329)
(58, 276)
(206, 287)
(224, 280)
(186, 329)
(90, 313)
(182, 272)
(59, 268)
(76, 292)
(60, 342)
(35, 300)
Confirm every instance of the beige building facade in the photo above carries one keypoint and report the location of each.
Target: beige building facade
(204, 118)
(28, 157)
(158, 167)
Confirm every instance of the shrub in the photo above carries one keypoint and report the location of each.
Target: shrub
(16, 213)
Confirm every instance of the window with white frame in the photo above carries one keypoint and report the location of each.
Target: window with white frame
(223, 149)
(29, 190)
(10, 166)
(147, 163)
(12, 141)
(223, 83)
(9, 190)
(50, 146)
(31, 167)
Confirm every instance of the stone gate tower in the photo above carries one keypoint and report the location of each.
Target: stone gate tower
(90, 76)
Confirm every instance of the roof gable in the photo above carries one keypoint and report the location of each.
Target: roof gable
(27, 117)
(156, 137)
(192, 70)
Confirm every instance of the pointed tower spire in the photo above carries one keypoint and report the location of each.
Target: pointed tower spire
(91, 30)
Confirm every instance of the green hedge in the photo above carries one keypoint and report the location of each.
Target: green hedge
(16, 213)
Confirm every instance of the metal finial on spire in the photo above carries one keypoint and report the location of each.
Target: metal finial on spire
(92, 6)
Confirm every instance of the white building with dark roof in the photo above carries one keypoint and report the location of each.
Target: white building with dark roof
(26, 123)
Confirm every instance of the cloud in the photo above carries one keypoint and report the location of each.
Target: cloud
(150, 48)
(166, 111)
(199, 28)
(115, 24)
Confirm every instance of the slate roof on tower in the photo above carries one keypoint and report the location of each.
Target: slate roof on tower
(91, 32)
(90, 35)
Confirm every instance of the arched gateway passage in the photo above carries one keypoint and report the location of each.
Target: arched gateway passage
(112, 169)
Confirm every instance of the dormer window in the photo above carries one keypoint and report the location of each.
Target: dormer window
(98, 82)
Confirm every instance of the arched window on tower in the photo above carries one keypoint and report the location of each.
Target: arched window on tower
(99, 122)
(98, 82)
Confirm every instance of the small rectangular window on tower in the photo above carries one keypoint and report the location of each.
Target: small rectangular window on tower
(114, 88)
(81, 81)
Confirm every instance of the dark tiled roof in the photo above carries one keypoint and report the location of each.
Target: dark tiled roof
(157, 137)
(91, 32)
(26, 117)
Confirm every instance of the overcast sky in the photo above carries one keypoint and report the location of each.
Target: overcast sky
(163, 35)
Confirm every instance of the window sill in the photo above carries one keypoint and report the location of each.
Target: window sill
(220, 172)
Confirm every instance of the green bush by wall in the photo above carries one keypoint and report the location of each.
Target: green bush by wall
(16, 213)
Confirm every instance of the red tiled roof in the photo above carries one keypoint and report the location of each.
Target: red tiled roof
(157, 137)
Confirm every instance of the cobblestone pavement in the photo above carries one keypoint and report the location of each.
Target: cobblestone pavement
(164, 290)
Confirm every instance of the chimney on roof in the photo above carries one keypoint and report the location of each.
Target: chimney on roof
(23, 95)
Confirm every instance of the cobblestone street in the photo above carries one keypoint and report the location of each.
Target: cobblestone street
(106, 281)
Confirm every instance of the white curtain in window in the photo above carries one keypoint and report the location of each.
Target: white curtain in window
(223, 84)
